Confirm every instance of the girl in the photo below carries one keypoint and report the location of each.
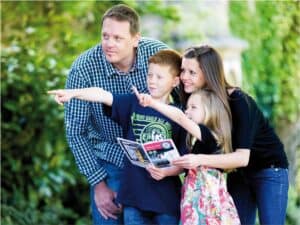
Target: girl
(261, 180)
(205, 199)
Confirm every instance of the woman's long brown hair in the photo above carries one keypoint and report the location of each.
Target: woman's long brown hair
(210, 63)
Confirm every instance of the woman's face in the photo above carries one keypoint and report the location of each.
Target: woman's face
(191, 75)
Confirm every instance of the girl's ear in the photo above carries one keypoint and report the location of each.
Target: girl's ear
(176, 81)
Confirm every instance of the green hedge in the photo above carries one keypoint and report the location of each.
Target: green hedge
(271, 64)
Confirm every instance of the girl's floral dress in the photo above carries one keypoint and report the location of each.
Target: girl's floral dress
(205, 200)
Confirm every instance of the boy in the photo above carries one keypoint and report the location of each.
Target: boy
(145, 200)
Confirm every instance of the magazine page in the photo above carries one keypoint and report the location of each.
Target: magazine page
(134, 152)
(162, 152)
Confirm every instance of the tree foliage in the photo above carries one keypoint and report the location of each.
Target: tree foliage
(271, 64)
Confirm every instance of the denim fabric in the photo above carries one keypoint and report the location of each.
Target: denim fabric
(134, 216)
(113, 182)
(265, 190)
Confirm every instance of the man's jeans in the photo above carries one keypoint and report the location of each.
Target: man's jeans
(113, 182)
(134, 216)
(265, 190)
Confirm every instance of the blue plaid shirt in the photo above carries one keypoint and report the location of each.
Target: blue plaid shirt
(90, 133)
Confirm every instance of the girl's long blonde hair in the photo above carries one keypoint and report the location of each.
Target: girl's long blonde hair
(216, 119)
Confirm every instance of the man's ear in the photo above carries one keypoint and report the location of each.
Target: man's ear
(137, 38)
(176, 81)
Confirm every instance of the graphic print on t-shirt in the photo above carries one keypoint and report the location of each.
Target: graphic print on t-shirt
(150, 128)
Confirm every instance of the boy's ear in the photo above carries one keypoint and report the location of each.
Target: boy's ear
(176, 81)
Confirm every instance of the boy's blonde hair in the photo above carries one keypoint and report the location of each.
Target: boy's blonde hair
(216, 118)
(168, 57)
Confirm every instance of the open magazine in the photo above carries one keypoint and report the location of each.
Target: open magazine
(157, 153)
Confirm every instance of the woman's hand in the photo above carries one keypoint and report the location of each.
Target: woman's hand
(188, 161)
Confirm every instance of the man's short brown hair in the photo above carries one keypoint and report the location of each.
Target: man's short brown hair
(168, 57)
(122, 12)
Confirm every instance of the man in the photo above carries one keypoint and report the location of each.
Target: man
(119, 62)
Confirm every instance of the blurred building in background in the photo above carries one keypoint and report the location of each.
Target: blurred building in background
(202, 22)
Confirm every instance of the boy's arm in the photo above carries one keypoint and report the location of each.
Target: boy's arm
(171, 112)
(93, 94)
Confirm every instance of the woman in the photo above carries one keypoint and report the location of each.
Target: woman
(261, 180)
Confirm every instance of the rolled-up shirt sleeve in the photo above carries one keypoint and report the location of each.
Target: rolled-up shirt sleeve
(77, 114)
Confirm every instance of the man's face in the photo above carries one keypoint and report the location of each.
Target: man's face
(117, 42)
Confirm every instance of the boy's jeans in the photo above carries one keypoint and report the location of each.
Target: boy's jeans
(134, 216)
(265, 190)
(113, 182)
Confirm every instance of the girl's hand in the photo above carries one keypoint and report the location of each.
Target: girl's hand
(61, 96)
(188, 161)
(157, 173)
(144, 99)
